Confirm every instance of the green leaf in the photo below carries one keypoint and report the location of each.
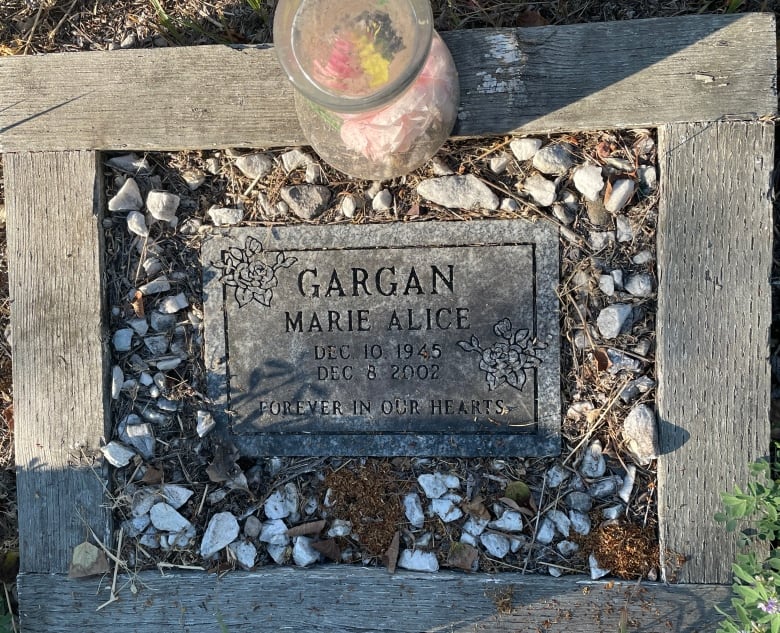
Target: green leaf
(774, 627)
(749, 594)
(742, 574)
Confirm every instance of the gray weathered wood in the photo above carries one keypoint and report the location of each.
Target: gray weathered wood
(53, 201)
(336, 599)
(639, 73)
(714, 313)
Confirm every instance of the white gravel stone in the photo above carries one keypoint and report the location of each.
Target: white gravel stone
(613, 512)
(348, 206)
(580, 522)
(141, 438)
(648, 177)
(433, 484)
(439, 167)
(415, 560)
(546, 532)
(446, 510)
(541, 190)
(225, 216)
(255, 165)
(621, 193)
(122, 339)
(306, 201)
(166, 519)
(567, 548)
(617, 276)
(556, 475)
(175, 496)
(563, 214)
(160, 284)
(607, 285)
(596, 572)
(577, 500)
(605, 487)
(458, 192)
(282, 503)
(498, 163)
(510, 521)
(465, 537)
(274, 532)
(560, 521)
(642, 257)
(194, 178)
(593, 463)
(628, 483)
(640, 285)
(382, 201)
(414, 510)
(140, 326)
(117, 454)
(599, 240)
(525, 148)
(314, 175)
(612, 318)
(162, 322)
(475, 526)
(588, 181)
(152, 266)
(221, 531)
(245, 553)
(166, 363)
(303, 553)
(554, 159)
(641, 434)
(497, 545)
(206, 423)
(509, 204)
(340, 527)
(172, 304)
(279, 553)
(252, 527)
(136, 224)
(624, 232)
(117, 380)
(162, 205)
(294, 159)
(131, 163)
(157, 344)
(134, 527)
(128, 198)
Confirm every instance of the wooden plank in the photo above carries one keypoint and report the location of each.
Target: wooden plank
(638, 73)
(54, 205)
(336, 599)
(714, 313)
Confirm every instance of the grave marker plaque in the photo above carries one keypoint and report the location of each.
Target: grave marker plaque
(412, 339)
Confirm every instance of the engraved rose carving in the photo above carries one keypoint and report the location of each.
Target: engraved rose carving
(248, 271)
(505, 361)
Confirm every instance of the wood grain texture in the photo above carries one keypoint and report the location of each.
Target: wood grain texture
(714, 313)
(54, 258)
(340, 599)
(639, 73)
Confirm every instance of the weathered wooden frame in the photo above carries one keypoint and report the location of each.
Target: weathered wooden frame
(705, 82)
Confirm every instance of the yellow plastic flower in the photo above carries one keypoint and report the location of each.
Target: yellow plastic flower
(375, 67)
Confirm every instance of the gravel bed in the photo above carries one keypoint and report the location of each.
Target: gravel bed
(183, 496)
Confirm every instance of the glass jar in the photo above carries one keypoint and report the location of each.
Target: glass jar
(376, 90)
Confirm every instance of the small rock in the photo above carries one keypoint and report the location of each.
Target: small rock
(556, 475)
(382, 201)
(252, 527)
(612, 319)
(593, 463)
(255, 165)
(220, 532)
(194, 178)
(580, 501)
(540, 189)
(339, 527)
(648, 178)
(141, 438)
(439, 167)
(618, 361)
(117, 454)
(554, 159)
(122, 339)
(509, 204)
(588, 181)
(166, 519)
(212, 165)
(245, 553)
(131, 164)
(282, 503)
(175, 496)
(621, 193)
(162, 322)
(303, 552)
(117, 380)
(642, 257)
(307, 201)
(510, 521)
(294, 159)
(560, 520)
(525, 148)
(596, 572)
(567, 548)
(497, 545)
(619, 164)
(157, 345)
(499, 163)
(546, 532)
(598, 214)
(414, 510)
(607, 285)
(617, 276)
(640, 285)
(623, 228)
(166, 363)
(135, 527)
(554, 571)
(140, 326)
(171, 305)
(433, 485)
(225, 216)
(415, 560)
(136, 224)
(641, 434)
(162, 205)
(314, 175)
(446, 510)
(612, 512)
(628, 483)
(279, 553)
(600, 240)
(160, 284)
(563, 214)
(128, 198)
(206, 423)
(605, 487)
(475, 526)
(348, 206)
(580, 522)
(274, 533)
(458, 192)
